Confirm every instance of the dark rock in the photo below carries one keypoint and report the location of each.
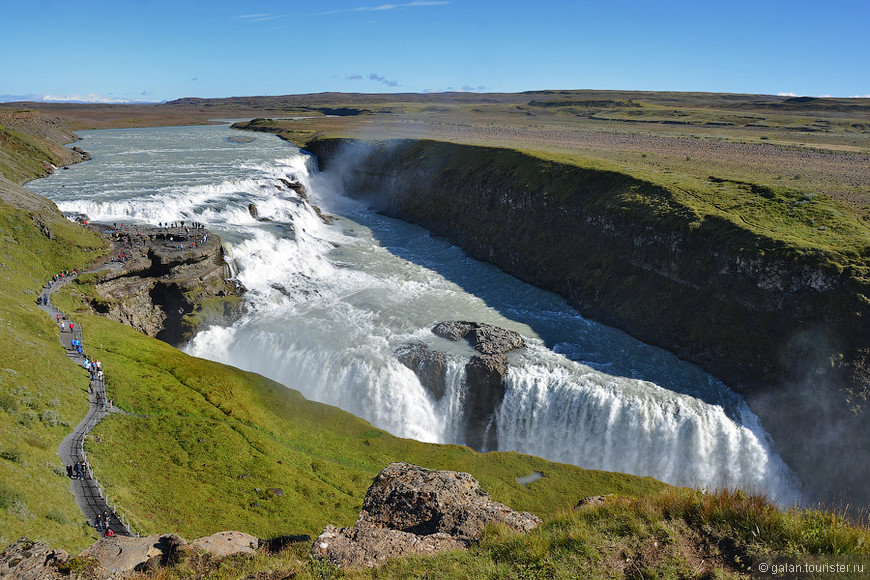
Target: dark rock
(413, 510)
(295, 186)
(430, 366)
(484, 375)
(484, 338)
(488, 339)
(452, 329)
(82, 153)
(252, 209)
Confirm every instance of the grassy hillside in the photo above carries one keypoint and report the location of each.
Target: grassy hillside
(42, 393)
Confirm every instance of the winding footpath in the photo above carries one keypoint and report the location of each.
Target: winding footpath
(88, 493)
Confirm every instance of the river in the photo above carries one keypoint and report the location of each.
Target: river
(328, 305)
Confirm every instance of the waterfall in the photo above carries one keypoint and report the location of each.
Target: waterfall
(328, 305)
(616, 424)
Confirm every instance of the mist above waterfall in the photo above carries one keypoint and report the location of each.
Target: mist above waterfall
(329, 304)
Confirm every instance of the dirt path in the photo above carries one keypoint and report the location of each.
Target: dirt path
(86, 489)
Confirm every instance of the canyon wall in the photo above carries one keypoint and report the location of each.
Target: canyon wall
(785, 327)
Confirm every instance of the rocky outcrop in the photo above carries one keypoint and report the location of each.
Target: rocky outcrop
(484, 373)
(117, 556)
(367, 548)
(26, 560)
(484, 338)
(169, 282)
(786, 327)
(412, 510)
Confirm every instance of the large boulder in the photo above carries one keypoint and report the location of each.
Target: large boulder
(484, 338)
(410, 510)
(366, 548)
(227, 543)
(123, 554)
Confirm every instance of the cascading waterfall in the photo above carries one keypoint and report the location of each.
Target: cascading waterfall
(574, 414)
(328, 305)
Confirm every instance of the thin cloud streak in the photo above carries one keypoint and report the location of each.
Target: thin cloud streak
(262, 17)
(384, 7)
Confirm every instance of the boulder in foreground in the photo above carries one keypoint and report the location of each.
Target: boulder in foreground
(412, 510)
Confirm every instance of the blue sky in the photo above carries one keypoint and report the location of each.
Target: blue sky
(156, 50)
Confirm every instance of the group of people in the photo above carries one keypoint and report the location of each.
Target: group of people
(77, 470)
(95, 368)
(103, 524)
(180, 224)
(62, 322)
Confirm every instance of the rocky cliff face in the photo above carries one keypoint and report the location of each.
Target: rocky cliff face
(164, 291)
(787, 329)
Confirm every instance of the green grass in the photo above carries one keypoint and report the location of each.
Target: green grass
(42, 393)
(677, 533)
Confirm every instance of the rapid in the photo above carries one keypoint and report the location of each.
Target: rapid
(328, 305)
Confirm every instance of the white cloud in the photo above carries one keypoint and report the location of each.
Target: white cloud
(90, 98)
(858, 97)
(787, 95)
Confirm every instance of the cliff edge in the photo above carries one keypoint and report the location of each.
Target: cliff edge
(165, 282)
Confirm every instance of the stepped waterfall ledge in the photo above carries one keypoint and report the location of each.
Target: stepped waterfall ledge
(334, 290)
